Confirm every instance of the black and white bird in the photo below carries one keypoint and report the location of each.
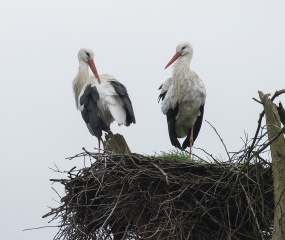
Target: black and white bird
(183, 98)
(101, 99)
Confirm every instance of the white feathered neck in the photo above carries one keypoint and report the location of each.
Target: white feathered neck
(80, 80)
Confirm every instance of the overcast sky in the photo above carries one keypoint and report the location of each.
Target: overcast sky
(239, 48)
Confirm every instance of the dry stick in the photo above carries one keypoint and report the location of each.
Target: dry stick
(254, 215)
(247, 161)
(256, 133)
(56, 192)
(106, 221)
(257, 100)
(183, 150)
(267, 144)
(263, 148)
(76, 156)
(161, 170)
(36, 228)
(88, 152)
(215, 160)
(220, 139)
(276, 94)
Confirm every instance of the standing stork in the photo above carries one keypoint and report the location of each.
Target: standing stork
(101, 99)
(183, 98)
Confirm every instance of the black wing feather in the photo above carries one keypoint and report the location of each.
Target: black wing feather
(84, 99)
(197, 127)
(90, 113)
(162, 95)
(171, 115)
(123, 94)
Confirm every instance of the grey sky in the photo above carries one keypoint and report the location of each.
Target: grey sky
(238, 49)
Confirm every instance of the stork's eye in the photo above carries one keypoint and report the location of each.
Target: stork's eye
(183, 48)
(87, 54)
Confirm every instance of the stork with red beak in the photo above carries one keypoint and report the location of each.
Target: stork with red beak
(183, 98)
(101, 99)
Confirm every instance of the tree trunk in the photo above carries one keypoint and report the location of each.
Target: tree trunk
(277, 149)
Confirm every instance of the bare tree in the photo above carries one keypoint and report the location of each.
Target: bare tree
(277, 149)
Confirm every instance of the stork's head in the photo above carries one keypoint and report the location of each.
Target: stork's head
(182, 49)
(87, 55)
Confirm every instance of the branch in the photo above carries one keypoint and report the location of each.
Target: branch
(161, 170)
(257, 100)
(247, 161)
(220, 139)
(251, 209)
(267, 144)
(90, 154)
(211, 155)
(36, 228)
(276, 94)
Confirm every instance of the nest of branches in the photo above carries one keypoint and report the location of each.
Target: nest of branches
(138, 197)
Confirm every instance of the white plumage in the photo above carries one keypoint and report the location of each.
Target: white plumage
(110, 105)
(101, 99)
(183, 96)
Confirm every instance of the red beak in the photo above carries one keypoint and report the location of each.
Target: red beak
(173, 59)
(94, 70)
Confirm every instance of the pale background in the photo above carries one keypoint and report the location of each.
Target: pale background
(239, 48)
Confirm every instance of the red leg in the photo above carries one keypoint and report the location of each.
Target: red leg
(99, 139)
(191, 139)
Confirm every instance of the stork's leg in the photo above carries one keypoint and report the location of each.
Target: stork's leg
(99, 139)
(99, 147)
(102, 143)
(191, 139)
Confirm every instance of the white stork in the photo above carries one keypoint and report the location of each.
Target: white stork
(101, 99)
(183, 98)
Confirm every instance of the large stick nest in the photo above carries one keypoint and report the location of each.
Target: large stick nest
(139, 197)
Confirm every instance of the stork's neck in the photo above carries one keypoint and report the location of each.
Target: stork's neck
(181, 72)
(181, 67)
(80, 80)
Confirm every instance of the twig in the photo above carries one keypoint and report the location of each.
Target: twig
(252, 156)
(106, 221)
(257, 100)
(36, 228)
(276, 94)
(56, 192)
(267, 144)
(91, 155)
(253, 212)
(211, 155)
(161, 170)
(220, 139)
